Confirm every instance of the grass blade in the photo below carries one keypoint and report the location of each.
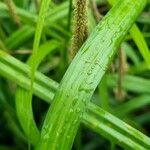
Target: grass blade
(72, 97)
(138, 39)
(23, 99)
(132, 105)
(45, 88)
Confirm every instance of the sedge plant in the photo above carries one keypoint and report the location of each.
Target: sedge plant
(74, 101)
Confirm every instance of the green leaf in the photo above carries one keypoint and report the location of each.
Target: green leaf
(108, 126)
(141, 43)
(138, 39)
(84, 74)
(23, 99)
(59, 12)
(21, 35)
(129, 83)
(132, 105)
(45, 88)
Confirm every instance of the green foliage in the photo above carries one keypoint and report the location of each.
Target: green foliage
(40, 33)
(94, 116)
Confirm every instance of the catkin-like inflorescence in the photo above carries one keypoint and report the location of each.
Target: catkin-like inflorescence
(80, 31)
(12, 11)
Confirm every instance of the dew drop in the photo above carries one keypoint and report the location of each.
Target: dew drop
(57, 133)
(84, 101)
(68, 137)
(71, 110)
(89, 73)
(75, 121)
(78, 110)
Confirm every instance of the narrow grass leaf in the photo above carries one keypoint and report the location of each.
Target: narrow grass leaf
(45, 88)
(138, 39)
(23, 99)
(84, 74)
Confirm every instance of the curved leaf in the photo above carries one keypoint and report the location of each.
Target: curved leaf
(84, 74)
(44, 88)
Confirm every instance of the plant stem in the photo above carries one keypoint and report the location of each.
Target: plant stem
(122, 69)
(95, 11)
(12, 11)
